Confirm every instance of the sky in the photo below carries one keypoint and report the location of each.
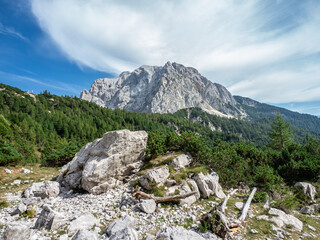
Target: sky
(265, 50)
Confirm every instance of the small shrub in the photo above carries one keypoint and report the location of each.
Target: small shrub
(260, 197)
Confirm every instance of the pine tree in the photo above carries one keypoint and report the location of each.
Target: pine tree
(280, 135)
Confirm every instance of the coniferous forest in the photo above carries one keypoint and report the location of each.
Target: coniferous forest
(264, 152)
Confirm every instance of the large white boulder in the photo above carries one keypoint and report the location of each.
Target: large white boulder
(105, 162)
(181, 161)
(43, 190)
(209, 185)
(178, 233)
(50, 219)
(125, 234)
(308, 189)
(154, 177)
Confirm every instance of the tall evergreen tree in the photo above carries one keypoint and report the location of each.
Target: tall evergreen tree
(280, 135)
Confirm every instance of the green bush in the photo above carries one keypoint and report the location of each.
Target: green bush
(260, 197)
(9, 155)
(266, 178)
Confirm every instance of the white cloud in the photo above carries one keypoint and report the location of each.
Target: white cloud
(5, 30)
(241, 45)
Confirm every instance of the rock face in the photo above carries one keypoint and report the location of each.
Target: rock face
(101, 164)
(166, 89)
(43, 189)
(307, 188)
(209, 185)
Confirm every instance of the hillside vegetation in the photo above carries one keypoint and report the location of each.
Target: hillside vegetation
(51, 129)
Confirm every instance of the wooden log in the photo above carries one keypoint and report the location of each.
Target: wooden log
(247, 205)
(137, 193)
(224, 204)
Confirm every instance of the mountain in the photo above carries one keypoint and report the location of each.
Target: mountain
(166, 89)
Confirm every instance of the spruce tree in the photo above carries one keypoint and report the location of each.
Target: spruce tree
(280, 135)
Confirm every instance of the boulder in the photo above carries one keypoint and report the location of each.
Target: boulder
(181, 161)
(105, 162)
(282, 219)
(120, 224)
(308, 189)
(50, 219)
(43, 190)
(185, 188)
(310, 209)
(126, 233)
(19, 210)
(154, 177)
(147, 205)
(84, 222)
(178, 233)
(17, 231)
(85, 235)
(209, 185)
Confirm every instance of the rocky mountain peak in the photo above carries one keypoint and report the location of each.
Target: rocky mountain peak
(166, 89)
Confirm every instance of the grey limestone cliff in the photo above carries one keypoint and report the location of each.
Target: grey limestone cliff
(167, 89)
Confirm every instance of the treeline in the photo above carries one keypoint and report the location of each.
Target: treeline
(51, 129)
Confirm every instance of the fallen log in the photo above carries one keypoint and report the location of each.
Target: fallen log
(247, 205)
(137, 193)
(224, 204)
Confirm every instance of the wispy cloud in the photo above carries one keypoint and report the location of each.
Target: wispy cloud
(5, 30)
(268, 50)
(50, 84)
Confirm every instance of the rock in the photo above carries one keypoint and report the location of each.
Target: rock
(282, 219)
(85, 235)
(311, 228)
(26, 171)
(243, 188)
(165, 89)
(307, 188)
(181, 161)
(126, 233)
(184, 189)
(253, 231)
(50, 219)
(120, 224)
(43, 190)
(16, 182)
(178, 233)
(170, 182)
(147, 205)
(17, 231)
(209, 185)
(105, 162)
(8, 170)
(84, 222)
(307, 210)
(19, 210)
(194, 187)
(154, 177)
(239, 205)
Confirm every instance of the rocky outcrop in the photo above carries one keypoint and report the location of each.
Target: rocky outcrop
(308, 189)
(209, 185)
(154, 177)
(105, 162)
(42, 190)
(164, 89)
(181, 161)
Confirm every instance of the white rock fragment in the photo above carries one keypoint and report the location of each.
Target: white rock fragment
(43, 189)
(26, 171)
(308, 189)
(16, 182)
(19, 210)
(85, 235)
(84, 222)
(178, 233)
(209, 185)
(154, 177)
(119, 224)
(147, 205)
(17, 231)
(8, 170)
(181, 161)
(50, 219)
(126, 233)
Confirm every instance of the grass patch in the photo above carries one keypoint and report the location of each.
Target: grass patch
(4, 204)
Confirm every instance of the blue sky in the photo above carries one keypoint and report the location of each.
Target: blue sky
(265, 50)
